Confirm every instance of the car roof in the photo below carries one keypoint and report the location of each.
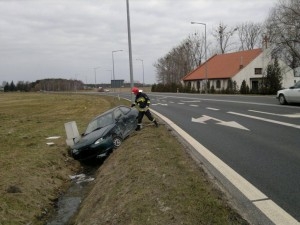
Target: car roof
(110, 111)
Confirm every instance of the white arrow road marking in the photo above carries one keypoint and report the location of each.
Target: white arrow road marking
(233, 124)
(267, 120)
(296, 115)
(201, 119)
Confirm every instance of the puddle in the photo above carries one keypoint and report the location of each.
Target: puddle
(69, 203)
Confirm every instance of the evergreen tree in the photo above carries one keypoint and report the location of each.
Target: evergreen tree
(6, 87)
(243, 89)
(12, 86)
(274, 78)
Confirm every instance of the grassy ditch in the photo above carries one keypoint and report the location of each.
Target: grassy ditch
(32, 173)
(150, 179)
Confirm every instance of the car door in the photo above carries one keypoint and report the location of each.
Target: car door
(131, 118)
(120, 121)
(127, 120)
(294, 93)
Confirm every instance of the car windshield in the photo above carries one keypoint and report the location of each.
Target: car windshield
(297, 85)
(99, 122)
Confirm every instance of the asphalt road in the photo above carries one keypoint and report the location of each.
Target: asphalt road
(254, 135)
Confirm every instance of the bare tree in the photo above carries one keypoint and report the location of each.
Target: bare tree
(180, 60)
(249, 35)
(283, 28)
(196, 49)
(223, 35)
(160, 70)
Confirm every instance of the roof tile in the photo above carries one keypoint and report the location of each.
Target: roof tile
(224, 65)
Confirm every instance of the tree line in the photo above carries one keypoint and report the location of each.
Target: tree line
(281, 30)
(44, 85)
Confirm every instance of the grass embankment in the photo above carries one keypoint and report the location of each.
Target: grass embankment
(32, 173)
(150, 179)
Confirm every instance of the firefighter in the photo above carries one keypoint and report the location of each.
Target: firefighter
(142, 103)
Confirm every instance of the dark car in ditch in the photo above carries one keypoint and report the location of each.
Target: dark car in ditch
(105, 132)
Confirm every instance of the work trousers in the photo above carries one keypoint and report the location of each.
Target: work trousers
(141, 115)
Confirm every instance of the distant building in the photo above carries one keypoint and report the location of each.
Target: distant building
(117, 83)
(247, 65)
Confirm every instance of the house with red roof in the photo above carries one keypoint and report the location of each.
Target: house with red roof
(249, 65)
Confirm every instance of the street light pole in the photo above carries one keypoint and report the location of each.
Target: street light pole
(129, 43)
(143, 70)
(206, 79)
(113, 61)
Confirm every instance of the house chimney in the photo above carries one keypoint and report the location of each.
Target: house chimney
(266, 40)
(241, 63)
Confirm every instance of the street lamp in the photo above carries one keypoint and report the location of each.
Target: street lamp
(206, 79)
(143, 69)
(113, 62)
(95, 74)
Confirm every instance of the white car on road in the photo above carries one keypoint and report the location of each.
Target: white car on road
(289, 95)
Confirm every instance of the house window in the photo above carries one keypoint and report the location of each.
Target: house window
(257, 70)
(218, 84)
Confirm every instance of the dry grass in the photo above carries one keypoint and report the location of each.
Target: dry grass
(150, 179)
(32, 173)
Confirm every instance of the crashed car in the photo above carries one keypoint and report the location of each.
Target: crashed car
(289, 95)
(105, 132)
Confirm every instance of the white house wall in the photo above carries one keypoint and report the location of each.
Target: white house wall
(247, 72)
(262, 61)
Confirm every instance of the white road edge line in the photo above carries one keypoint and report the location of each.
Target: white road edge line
(276, 214)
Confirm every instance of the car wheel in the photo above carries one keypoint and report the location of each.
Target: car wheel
(282, 100)
(117, 141)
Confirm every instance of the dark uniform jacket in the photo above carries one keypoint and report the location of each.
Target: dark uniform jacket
(142, 101)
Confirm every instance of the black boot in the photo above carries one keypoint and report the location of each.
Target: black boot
(156, 124)
(138, 127)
